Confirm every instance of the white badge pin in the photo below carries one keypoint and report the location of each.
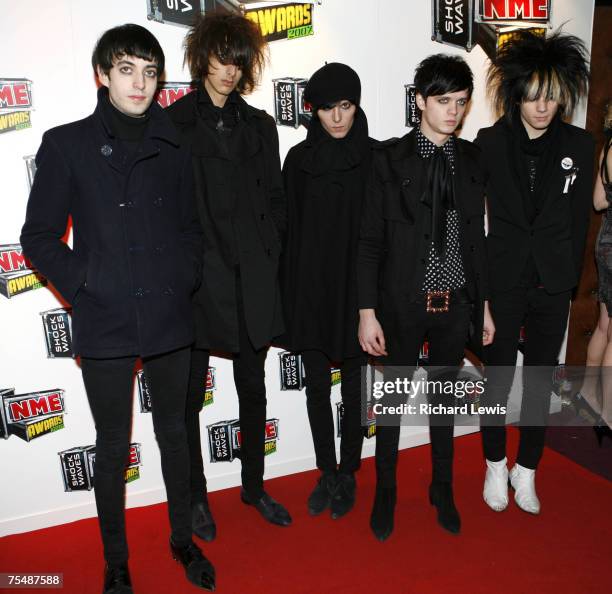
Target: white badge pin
(567, 163)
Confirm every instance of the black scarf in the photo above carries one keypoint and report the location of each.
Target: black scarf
(439, 196)
(543, 150)
(337, 154)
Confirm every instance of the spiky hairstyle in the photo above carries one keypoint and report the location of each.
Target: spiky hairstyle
(530, 66)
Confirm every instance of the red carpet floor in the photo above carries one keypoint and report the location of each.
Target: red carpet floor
(567, 549)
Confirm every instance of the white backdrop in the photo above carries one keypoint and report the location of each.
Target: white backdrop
(50, 43)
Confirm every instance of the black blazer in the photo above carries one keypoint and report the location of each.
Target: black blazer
(240, 197)
(557, 235)
(394, 238)
(136, 253)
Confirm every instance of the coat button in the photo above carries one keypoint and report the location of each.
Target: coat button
(168, 292)
(129, 204)
(158, 202)
(139, 292)
(159, 249)
(405, 183)
(106, 150)
(262, 216)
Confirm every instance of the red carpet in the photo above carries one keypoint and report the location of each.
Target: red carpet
(567, 549)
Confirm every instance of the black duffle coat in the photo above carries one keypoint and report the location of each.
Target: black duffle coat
(136, 255)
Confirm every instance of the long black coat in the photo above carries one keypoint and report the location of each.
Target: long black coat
(249, 171)
(136, 235)
(324, 183)
(556, 237)
(394, 239)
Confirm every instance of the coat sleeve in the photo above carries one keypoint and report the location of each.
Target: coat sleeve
(581, 203)
(277, 195)
(191, 229)
(47, 215)
(371, 242)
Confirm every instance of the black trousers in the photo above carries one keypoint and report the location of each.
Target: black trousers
(447, 334)
(249, 378)
(545, 320)
(109, 385)
(320, 415)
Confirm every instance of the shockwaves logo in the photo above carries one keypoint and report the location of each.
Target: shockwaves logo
(452, 23)
(16, 273)
(413, 113)
(170, 92)
(15, 104)
(144, 392)
(78, 464)
(290, 109)
(291, 371)
(176, 12)
(369, 429)
(57, 324)
(287, 21)
(225, 439)
(32, 415)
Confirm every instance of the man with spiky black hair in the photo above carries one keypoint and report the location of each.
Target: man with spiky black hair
(539, 187)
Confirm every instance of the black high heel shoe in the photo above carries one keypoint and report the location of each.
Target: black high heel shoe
(602, 430)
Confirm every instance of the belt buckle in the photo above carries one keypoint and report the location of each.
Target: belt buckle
(438, 301)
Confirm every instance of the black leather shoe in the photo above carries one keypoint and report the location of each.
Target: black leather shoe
(198, 568)
(441, 496)
(344, 496)
(117, 580)
(321, 496)
(202, 522)
(381, 520)
(272, 511)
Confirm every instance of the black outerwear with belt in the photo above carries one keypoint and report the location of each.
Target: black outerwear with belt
(242, 210)
(395, 231)
(324, 183)
(136, 253)
(555, 238)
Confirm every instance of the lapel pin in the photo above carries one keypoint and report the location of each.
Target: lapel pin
(567, 163)
(106, 150)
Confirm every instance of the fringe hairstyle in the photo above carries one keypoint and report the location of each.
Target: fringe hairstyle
(232, 39)
(530, 66)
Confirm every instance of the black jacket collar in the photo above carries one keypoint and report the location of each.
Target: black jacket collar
(159, 127)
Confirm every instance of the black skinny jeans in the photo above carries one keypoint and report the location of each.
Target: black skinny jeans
(545, 319)
(109, 385)
(249, 378)
(320, 414)
(447, 334)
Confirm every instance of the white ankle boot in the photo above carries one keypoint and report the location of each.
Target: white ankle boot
(523, 482)
(495, 491)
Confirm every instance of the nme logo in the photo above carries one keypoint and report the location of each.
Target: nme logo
(170, 92)
(15, 93)
(36, 406)
(514, 10)
(12, 259)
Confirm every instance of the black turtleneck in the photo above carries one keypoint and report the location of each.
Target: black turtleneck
(127, 129)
